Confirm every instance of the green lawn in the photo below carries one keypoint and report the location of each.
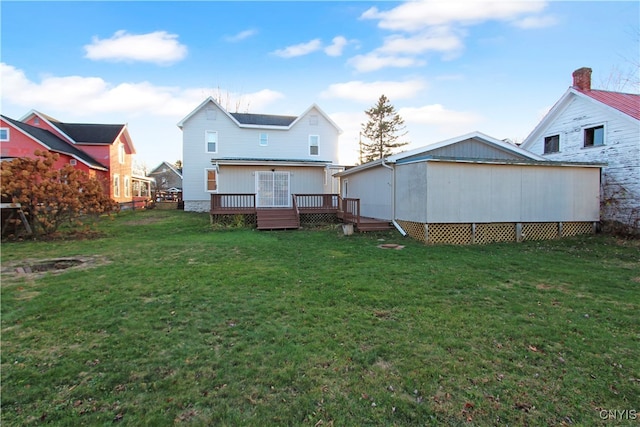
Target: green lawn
(184, 324)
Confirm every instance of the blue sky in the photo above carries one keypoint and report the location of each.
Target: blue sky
(448, 68)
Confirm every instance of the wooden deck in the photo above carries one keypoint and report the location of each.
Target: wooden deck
(347, 210)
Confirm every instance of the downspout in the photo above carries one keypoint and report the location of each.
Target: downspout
(393, 198)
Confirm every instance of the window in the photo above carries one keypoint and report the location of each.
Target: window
(594, 137)
(314, 145)
(212, 141)
(212, 180)
(551, 144)
(127, 184)
(36, 121)
(121, 153)
(116, 186)
(73, 162)
(4, 134)
(313, 120)
(211, 114)
(264, 139)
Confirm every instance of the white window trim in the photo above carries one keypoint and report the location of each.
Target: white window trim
(593, 126)
(116, 188)
(8, 138)
(121, 153)
(266, 139)
(206, 141)
(73, 162)
(127, 184)
(318, 140)
(206, 180)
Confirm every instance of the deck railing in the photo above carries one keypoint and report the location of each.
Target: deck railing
(317, 202)
(351, 210)
(233, 203)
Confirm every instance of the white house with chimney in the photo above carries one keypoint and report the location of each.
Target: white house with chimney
(589, 125)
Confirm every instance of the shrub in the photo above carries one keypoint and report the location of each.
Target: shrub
(52, 197)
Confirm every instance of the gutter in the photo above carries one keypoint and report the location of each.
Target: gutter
(393, 197)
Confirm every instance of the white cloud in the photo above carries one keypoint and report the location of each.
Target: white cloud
(370, 92)
(375, 61)
(417, 15)
(441, 39)
(299, 49)
(338, 44)
(242, 35)
(532, 22)
(92, 95)
(158, 47)
(438, 115)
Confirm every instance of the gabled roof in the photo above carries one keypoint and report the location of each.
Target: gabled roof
(54, 143)
(624, 105)
(86, 133)
(476, 136)
(266, 121)
(430, 152)
(166, 165)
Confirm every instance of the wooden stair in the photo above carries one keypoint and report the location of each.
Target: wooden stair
(277, 219)
(371, 224)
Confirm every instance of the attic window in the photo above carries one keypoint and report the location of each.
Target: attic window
(594, 137)
(121, 153)
(4, 134)
(551, 144)
(313, 120)
(211, 114)
(73, 162)
(36, 120)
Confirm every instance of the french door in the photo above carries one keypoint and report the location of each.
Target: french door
(273, 189)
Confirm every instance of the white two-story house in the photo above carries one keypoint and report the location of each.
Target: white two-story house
(269, 156)
(590, 125)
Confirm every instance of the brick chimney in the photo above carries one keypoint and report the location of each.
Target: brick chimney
(582, 79)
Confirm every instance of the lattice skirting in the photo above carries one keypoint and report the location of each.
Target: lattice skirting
(238, 220)
(415, 230)
(318, 218)
(482, 233)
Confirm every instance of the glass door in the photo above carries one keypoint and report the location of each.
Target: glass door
(272, 189)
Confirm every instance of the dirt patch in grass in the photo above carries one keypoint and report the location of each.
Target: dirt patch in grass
(36, 268)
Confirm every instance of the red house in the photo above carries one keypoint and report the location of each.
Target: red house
(104, 151)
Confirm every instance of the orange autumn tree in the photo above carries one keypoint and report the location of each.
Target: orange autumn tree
(52, 197)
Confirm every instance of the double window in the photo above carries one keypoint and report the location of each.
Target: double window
(594, 137)
(211, 141)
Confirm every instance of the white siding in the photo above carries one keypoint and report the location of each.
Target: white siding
(374, 189)
(235, 142)
(468, 193)
(621, 152)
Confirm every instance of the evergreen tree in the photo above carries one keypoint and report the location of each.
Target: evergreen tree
(384, 128)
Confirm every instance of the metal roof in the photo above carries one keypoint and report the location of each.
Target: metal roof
(627, 103)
